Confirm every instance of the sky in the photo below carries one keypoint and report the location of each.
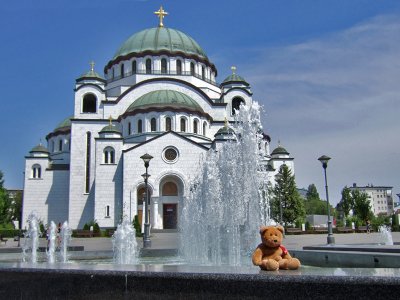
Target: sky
(327, 73)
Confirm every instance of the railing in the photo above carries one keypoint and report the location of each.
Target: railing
(159, 72)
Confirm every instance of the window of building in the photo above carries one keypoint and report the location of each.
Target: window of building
(204, 128)
(171, 154)
(170, 189)
(168, 124)
(36, 171)
(107, 211)
(236, 104)
(195, 126)
(134, 67)
(148, 66)
(60, 145)
(140, 195)
(163, 66)
(89, 103)
(129, 128)
(183, 124)
(52, 147)
(140, 126)
(122, 71)
(192, 69)
(153, 124)
(203, 76)
(179, 67)
(109, 155)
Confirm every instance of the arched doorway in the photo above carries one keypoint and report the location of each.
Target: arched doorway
(171, 193)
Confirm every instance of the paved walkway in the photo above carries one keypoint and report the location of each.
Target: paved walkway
(161, 240)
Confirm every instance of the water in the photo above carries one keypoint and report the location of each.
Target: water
(385, 235)
(52, 243)
(228, 200)
(65, 236)
(31, 243)
(125, 247)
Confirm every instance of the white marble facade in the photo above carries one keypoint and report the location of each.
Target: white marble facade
(91, 168)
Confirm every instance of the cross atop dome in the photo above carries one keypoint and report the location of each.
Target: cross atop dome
(161, 13)
(233, 68)
(92, 65)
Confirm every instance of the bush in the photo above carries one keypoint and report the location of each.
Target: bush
(9, 233)
(137, 227)
(86, 227)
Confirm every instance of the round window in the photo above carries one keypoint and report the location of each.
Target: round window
(170, 154)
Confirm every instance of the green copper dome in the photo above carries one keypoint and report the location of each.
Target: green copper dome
(39, 148)
(66, 123)
(280, 150)
(234, 78)
(111, 128)
(165, 98)
(160, 39)
(225, 130)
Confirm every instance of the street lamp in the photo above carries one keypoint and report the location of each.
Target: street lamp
(324, 160)
(278, 176)
(146, 237)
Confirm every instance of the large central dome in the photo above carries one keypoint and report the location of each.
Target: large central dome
(160, 39)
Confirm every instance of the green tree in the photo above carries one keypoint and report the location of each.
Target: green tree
(347, 202)
(312, 193)
(362, 206)
(16, 208)
(4, 203)
(313, 204)
(285, 192)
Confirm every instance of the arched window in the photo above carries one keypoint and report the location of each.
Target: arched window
(153, 124)
(140, 126)
(195, 126)
(236, 104)
(179, 67)
(204, 127)
(122, 71)
(183, 124)
(89, 103)
(134, 67)
(36, 171)
(168, 124)
(60, 144)
(52, 148)
(163, 66)
(107, 212)
(129, 128)
(148, 66)
(109, 155)
(203, 73)
(170, 189)
(192, 69)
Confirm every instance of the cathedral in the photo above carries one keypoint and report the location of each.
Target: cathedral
(158, 95)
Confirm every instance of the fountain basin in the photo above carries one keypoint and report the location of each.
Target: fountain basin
(61, 281)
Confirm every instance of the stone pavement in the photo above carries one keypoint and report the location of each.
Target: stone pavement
(170, 240)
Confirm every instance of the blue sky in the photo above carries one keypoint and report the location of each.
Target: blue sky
(326, 72)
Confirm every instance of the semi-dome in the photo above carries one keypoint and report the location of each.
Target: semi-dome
(161, 39)
(165, 99)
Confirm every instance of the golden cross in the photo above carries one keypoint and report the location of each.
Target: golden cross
(161, 13)
(226, 122)
(91, 66)
(110, 119)
(233, 68)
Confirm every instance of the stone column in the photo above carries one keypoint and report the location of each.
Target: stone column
(154, 213)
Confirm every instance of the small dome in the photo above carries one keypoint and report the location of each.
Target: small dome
(225, 130)
(39, 149)
(65, 124)
(225, 133)
(160, 39)
(280, 150)
(91, 74)
(234, 78)
(110, 128)
(164, 99)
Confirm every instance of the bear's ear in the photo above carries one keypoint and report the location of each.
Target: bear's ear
(262, 229)
(280, 228)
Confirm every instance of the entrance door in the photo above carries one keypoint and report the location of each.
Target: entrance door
(170, 216)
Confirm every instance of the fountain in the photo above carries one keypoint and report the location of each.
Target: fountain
(65, 236)
(124, 243)
(31, 243)
(52, 242)
(385, 235)
(227, 202)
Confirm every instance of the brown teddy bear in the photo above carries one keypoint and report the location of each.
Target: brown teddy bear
(270, 255)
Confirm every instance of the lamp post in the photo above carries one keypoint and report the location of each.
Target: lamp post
(278, 176)
(324, 160)
(146, 236)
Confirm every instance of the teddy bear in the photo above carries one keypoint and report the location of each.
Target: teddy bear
(270, 255)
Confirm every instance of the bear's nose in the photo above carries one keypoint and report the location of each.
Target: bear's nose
(275, 241)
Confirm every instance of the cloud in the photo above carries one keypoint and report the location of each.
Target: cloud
(337, 95)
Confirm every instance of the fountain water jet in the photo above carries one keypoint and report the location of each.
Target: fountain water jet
(65, 235)
(52, 243)
(31, 243)
(124, 243)
(228, 201)
(385, 235)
